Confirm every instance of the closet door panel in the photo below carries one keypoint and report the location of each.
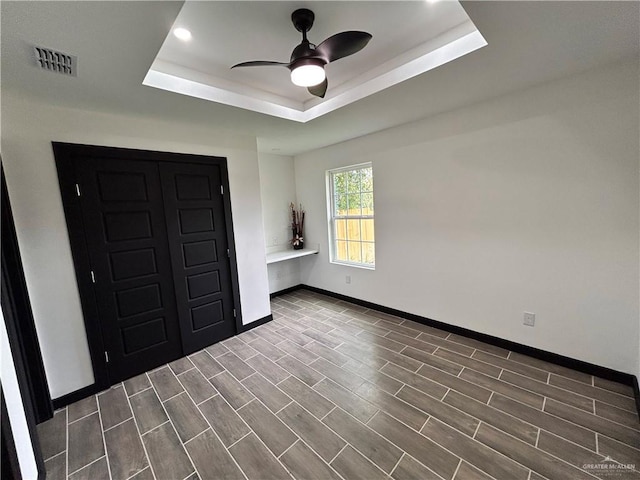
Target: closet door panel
(124, 226)
(197, 235)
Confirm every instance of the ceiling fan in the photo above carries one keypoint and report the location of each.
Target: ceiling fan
(308, 60)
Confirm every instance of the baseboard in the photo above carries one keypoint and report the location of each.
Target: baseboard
(255, 324)
(551, 357)
(92, 389)
(286, 290)
(73, 397)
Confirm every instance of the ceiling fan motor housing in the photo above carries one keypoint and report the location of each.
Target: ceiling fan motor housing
(306, 61)
(304, 50)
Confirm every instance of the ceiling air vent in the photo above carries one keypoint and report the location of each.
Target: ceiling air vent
(53, 61)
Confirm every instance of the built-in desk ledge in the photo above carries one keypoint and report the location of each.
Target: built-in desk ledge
(282, 255)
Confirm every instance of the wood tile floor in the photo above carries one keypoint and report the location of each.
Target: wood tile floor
(331, 390)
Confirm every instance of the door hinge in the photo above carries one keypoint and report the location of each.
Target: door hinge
(221, 189)
(93, 277)
(106, 356)
(228, 253)
(234, 313)
(77, 190)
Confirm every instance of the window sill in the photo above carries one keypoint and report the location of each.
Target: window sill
(354, 265)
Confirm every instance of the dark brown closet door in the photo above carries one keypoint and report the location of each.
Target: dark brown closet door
(197, 235)
(124, 225)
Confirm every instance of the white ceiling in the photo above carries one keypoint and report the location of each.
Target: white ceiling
(117, 42)
(409, 38)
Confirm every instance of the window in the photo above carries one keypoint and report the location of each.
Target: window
(350, 192)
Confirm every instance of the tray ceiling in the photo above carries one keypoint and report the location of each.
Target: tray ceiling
(409, 38)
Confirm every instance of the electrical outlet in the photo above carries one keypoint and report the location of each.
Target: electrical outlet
(529, 319)
(347, 279)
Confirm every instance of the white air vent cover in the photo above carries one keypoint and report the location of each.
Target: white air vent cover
(53, 61)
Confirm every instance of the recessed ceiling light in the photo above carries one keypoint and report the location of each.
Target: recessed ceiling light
(182, 33)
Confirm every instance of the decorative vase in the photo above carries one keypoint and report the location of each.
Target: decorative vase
(297, 242)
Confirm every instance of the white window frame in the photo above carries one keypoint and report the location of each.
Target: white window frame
(332, 217)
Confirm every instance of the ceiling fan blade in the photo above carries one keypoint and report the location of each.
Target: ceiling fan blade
(260, 63)
(320, 89)
(343, 44)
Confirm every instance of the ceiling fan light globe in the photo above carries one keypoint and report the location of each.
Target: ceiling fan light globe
(307, 75)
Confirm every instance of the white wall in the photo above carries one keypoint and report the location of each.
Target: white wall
(278, 190)
(528, 202)
(28, 129)
(15, 409)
